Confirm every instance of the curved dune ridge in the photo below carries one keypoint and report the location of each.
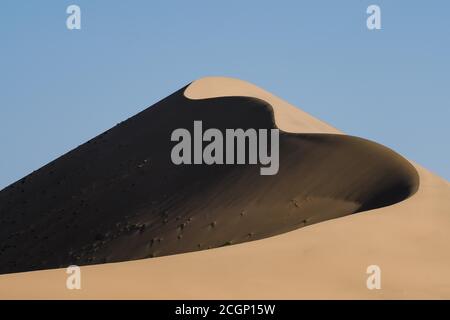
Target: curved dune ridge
(118, 197)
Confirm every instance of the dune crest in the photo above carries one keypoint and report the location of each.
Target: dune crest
(288, 118)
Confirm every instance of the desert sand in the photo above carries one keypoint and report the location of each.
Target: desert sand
(282, 240)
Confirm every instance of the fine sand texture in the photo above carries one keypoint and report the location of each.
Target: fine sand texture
(226, 231)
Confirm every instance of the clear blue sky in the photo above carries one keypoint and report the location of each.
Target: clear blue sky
(60, 88)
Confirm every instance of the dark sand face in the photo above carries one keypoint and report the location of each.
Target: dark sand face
(119, 197)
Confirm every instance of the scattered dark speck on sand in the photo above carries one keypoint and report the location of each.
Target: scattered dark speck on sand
(99, 237)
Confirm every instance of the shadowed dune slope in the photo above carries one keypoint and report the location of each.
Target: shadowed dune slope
(118, 197)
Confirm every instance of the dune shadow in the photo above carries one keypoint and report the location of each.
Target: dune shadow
(119, 197)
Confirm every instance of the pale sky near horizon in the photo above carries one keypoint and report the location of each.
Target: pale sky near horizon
(61, 87)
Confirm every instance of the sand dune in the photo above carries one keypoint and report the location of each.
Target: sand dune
(126, 203)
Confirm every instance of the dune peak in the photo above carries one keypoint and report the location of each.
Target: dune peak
(287, 117)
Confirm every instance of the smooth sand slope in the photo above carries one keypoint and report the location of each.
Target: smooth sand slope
(323, 175)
